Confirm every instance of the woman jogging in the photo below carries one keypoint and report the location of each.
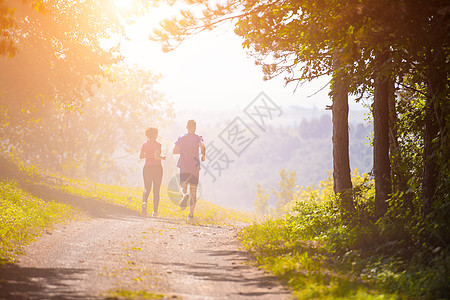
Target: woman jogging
(153, 171)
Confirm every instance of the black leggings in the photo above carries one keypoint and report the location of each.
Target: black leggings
(152, 176)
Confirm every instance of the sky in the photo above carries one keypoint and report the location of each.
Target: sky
(212, 71)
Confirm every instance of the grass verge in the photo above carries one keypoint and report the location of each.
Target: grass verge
(120, 294)
(23, 217)
(304, 265)
(206, 213)
(321, 252)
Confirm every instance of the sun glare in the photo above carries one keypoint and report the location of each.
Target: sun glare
(124, 4)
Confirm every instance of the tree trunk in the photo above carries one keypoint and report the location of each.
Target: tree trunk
(393, 136)
(381, 163)
(431, 131)
(341, 160)
(436, 153)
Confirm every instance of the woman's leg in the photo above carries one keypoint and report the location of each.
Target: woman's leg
(147, 173)
(157, 178)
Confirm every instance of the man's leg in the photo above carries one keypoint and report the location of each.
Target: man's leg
(193, 183)
(184, 180)
(193, 202)
(183, 187)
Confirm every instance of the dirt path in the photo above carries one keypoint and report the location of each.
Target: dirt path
(122, 251)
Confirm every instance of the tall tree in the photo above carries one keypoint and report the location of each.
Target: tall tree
(99, 140)
(286, 189)
(59, 52)
(382, 167)
(262, 200)
(341, 160)
(54, 53)
(110, 126)
(436, 68)
(57, 59)
(435, 129)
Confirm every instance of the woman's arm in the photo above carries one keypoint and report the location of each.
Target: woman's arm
(142, 154)
(158, 155)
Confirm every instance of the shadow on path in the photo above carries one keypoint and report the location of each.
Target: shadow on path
(232, 268)
(39, 283)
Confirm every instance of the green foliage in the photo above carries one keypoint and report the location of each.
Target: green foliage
(407, 162)
(286, 189)
(406, 157)
(323, 254)
(52, 109)
(261, 201)
(97, 140)
(23, 217)
(302, 264)
(61, 55)
(301, 38)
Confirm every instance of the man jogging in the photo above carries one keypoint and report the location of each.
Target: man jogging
(187, 146)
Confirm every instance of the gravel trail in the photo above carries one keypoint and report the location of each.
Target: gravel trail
(118, 251)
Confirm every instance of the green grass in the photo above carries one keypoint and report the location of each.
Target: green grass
(304, 265)
(206, 213)
(23, 217)
(127, 294)
(321, 253)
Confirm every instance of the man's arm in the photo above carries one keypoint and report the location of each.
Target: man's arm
(142, 154)
(203, 150)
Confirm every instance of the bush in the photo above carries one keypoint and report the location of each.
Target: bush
(320, 251)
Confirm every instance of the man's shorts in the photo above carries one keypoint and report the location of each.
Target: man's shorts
(189, 177)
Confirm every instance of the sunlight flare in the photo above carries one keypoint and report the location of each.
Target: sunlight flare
(124, 4)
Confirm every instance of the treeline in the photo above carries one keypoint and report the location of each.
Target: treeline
(67, 103)
(305, 148)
